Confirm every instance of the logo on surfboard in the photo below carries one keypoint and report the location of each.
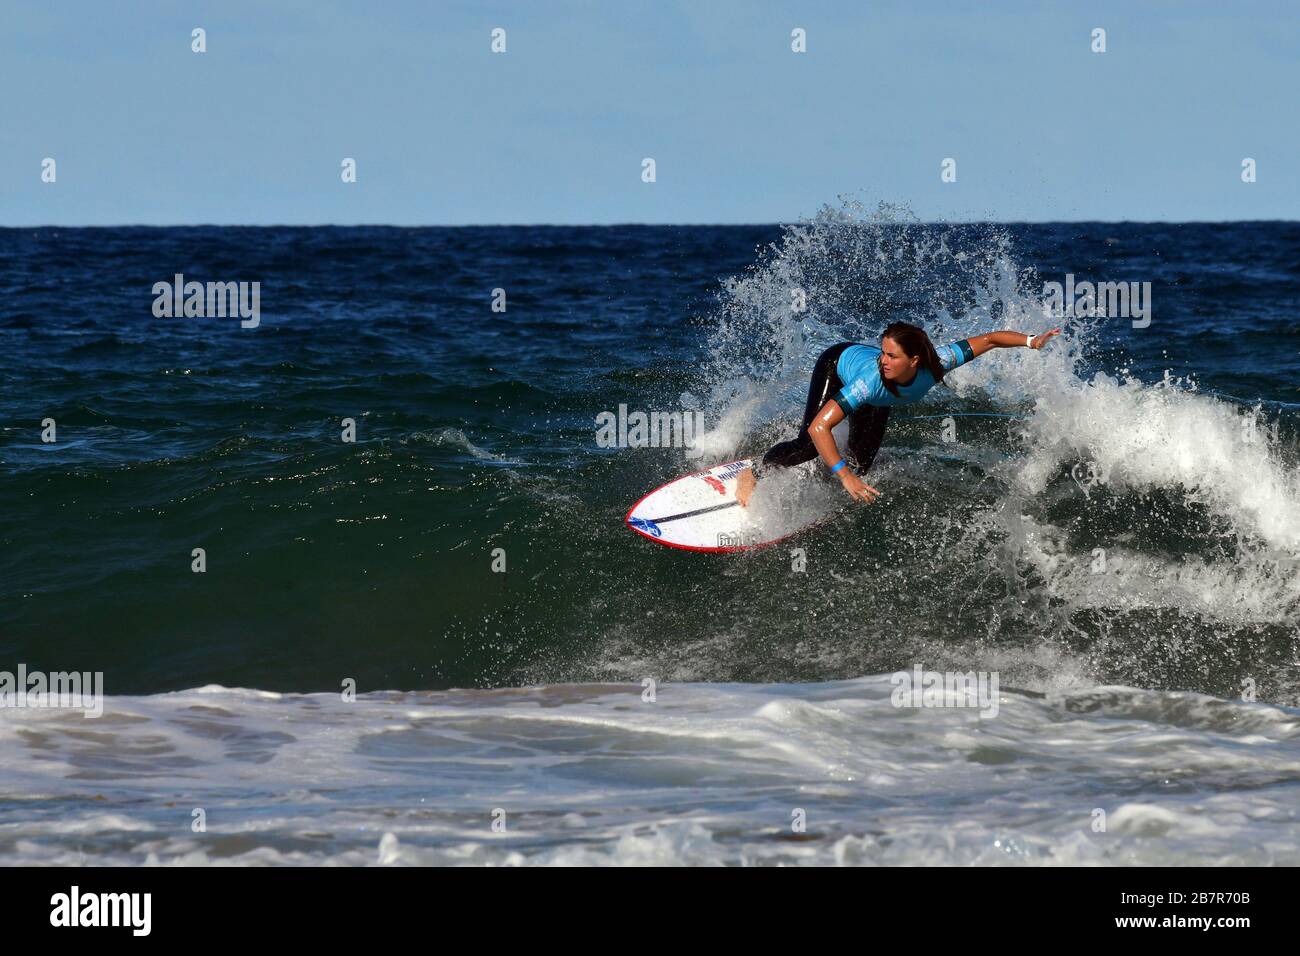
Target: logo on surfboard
(716, 485)
(727, 472)
(646, 525)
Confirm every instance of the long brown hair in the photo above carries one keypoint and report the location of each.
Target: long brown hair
(915, 344)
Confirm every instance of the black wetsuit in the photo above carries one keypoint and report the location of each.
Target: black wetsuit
(866, 423)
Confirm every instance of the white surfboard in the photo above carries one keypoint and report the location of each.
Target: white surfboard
(699, 511)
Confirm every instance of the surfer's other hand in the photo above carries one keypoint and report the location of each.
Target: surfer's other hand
(1041, 340)
(857, 488)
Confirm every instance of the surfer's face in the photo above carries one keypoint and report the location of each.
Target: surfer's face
(895, 365)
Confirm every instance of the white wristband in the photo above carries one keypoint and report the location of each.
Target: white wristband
(1029, 341)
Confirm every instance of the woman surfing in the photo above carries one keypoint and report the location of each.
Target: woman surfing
(862, 383)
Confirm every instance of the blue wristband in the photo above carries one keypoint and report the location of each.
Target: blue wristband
(835, 468)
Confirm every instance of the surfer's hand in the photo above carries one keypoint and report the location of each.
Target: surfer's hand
(1041, 340)
(857, 488)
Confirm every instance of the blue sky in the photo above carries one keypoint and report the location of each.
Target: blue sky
(554, 130)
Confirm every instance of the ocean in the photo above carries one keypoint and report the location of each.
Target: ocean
(437, 642)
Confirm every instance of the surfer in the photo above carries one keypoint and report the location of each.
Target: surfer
(863, 382)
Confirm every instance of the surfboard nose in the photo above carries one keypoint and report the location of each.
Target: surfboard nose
(645, 526)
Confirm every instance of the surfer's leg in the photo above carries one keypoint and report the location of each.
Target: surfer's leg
(866, 432)
(825, 383)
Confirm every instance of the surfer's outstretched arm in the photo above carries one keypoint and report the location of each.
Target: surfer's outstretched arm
(980, 344)
(820, 432)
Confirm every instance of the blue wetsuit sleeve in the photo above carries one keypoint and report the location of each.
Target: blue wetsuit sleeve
(842, 399)
(955, 354)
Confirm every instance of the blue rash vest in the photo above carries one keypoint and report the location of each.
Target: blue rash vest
(859, 369)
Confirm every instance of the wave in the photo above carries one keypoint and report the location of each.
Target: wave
(826, 773)
(1101, 505)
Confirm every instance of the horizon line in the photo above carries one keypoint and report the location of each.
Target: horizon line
(624, 225)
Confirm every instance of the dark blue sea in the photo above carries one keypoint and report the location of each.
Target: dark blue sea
(1115, 531)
